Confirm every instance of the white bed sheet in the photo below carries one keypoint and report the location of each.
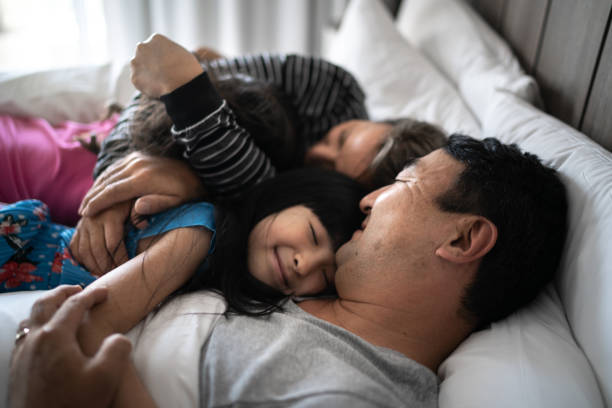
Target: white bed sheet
(531, 359)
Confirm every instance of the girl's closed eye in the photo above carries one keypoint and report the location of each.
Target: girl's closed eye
(283, 257)
(294, 224)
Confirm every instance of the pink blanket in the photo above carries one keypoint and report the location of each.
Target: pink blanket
(45, 162)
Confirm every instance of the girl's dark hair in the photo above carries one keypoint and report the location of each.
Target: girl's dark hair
(260, 108)
(332, 196)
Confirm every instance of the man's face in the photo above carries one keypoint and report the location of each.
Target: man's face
(349, 147)
(403, 227)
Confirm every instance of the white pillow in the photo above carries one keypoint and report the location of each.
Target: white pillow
(585, 279)
(397, 79)
(466, 49)
(529, 360)
(80, 94)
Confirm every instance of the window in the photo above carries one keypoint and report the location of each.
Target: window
(41, 34)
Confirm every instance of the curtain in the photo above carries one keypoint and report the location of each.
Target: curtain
(232, 27)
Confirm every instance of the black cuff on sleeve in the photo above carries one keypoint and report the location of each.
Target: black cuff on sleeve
(191, 102)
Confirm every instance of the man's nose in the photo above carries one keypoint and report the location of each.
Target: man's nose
(367, 202)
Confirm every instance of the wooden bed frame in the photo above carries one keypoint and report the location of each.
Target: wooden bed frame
(567, 47)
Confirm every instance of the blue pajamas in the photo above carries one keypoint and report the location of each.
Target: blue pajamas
(35, 254)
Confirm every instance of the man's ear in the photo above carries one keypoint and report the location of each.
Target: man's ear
(474, 238)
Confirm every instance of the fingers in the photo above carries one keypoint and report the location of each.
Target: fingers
(24, 324)
(70, 314)
(120, 183)
(98, 253)
(98, 241)
(112, 356)
(155, 203)
(165, 182)
(84, 251)
(103, 180)
(113, 236)
(114, 191)
(49, 303)
(110, 363)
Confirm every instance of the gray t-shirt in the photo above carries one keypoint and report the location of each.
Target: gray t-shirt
(295, 359)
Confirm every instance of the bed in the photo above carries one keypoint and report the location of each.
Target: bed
(440, 61)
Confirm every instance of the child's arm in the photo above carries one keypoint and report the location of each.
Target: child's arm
(140, 284)
(135, 288)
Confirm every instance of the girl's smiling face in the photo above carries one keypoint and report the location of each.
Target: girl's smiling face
(292, 252)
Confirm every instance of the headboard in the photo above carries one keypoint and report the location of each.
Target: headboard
(567, 47)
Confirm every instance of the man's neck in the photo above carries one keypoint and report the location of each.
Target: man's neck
(427, 339)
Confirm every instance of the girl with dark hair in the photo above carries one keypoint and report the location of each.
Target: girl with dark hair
(314, 209)
(278, 241)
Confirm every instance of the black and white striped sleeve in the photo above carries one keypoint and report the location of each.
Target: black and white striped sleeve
(221, 152)
(323, 94)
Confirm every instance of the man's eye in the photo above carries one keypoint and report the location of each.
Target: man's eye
(342, 138)
(314, 235)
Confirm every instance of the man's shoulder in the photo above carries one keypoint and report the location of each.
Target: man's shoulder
(294, 353)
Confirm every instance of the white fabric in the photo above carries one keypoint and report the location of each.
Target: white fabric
(81, 94)
(466, 49)
(398, 80)
(234, 27)
(585, 281)
(14, 307)
(168, 341)
(529, 360)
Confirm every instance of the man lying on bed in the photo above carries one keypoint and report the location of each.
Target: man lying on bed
(465, 236)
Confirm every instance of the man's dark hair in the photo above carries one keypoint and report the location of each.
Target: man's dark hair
(407, 140)
(527, 202)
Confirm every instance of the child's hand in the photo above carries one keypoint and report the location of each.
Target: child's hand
(160, 66)
(98, 242)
